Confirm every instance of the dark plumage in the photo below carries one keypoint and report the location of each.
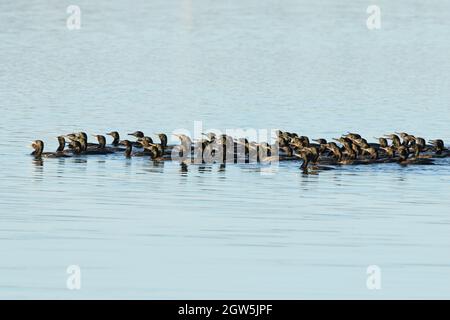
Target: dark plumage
(38, 146)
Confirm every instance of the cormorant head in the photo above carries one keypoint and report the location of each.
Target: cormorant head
(304, 140)
(82, 135)
(38, 146)
(145, 140)
(116, 137)
(113, 134)
(438, 145)
(320, 141)
(382, 141)
(405, 136)
(137, 134)
(332, 146)
(101, 140)
(342, 140)
(62, 143)
(126, 143)
(163, 138)
(421, 142)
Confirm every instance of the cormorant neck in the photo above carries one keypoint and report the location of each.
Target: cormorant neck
(83, 144)
(128, 151)
(37, 152)
(61, 146)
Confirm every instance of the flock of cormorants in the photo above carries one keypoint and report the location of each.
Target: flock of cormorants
(349, 149)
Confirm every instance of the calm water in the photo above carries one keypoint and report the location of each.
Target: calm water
(143, 231)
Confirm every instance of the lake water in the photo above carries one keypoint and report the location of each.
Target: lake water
(138, 230)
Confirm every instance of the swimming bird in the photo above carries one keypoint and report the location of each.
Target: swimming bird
(156, 151)
(129, 147)
(61, 144)
(322, 145)
(163, 138)
(338, 156)
(438, 146)
(137, 134)
(347, 143)
(38, 146)
(77, 138)
(395, 140)
(93, 148)
(116, 138)
(335, 150)
(140, 141)
(382, 142)
(75, 147)
(84, 136)
(403, 154)
(407, 138)
(309, 155)
(101, 141)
